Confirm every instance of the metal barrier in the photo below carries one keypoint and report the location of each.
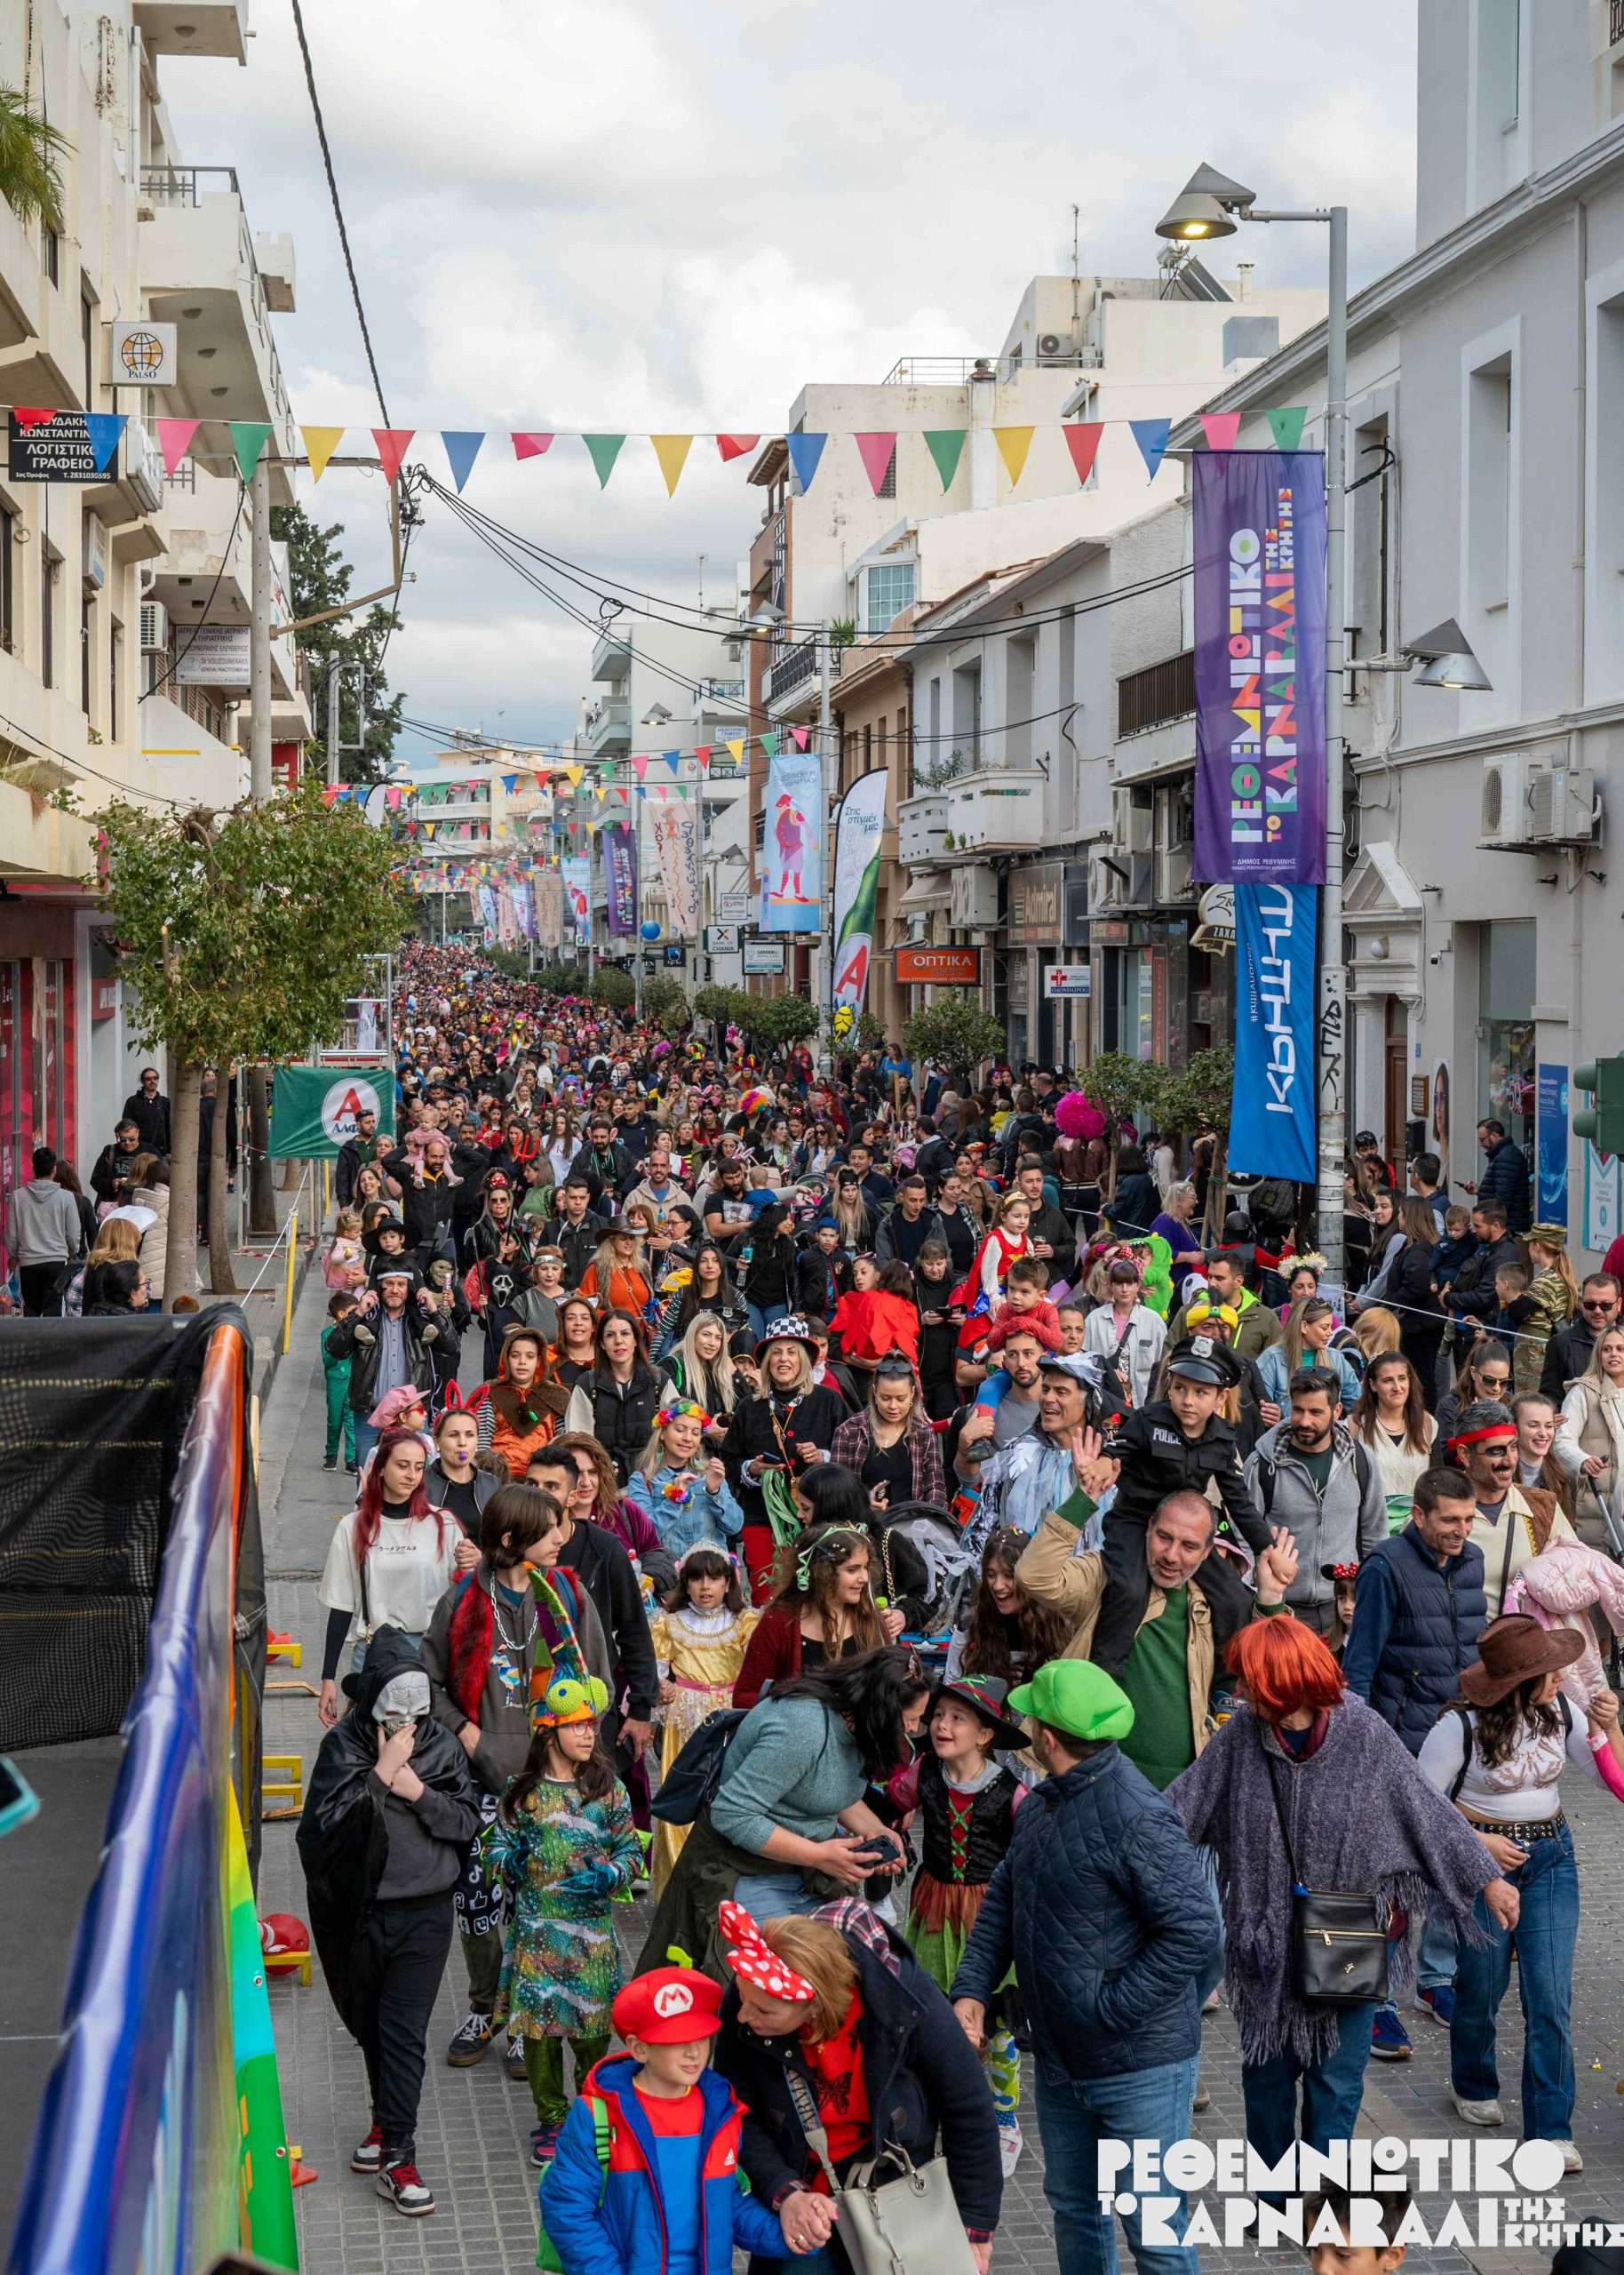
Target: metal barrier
(308, 1205)
(160, 2142)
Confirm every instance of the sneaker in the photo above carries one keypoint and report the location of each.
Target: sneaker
(370, 2153)
(514, 2060)
(471, 2044)
(1474, 2112)
(1438, 2000)
(544, 2143)
(1010, 2145)
(330, 1461)
(1389, 2041)
(401, 2184)
(1572, 2161)
(1210, 2003)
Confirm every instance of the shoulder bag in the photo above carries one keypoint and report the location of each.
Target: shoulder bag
(906, 2226)
(1339, 1946)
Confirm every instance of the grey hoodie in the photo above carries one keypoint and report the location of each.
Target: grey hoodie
(42, 1225)
(1341, 1530)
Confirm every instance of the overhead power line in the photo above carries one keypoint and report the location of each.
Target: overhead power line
(333, 185)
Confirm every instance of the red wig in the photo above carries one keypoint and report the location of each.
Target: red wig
(369, 1508)
(1284, 1666)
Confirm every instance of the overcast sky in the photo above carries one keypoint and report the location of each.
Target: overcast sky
(587, 214)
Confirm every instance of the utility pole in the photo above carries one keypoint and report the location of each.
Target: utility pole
(335, 701)
(261, 1203)
(1332, 1036)
(831, 792)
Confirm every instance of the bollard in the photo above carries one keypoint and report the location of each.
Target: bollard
(287, 1302)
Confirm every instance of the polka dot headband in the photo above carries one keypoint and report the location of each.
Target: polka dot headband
(754, 1960)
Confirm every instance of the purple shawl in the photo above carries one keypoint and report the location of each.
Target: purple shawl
(1363, 1818)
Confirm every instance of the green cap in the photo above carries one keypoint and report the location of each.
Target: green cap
(1075, 1695)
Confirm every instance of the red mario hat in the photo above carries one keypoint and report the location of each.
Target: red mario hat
(668, 2006)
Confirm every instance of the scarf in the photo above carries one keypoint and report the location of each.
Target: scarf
(1403, 1843)
(1020, 1484)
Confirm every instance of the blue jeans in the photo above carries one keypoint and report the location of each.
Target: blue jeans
(1208, 1982)
(1074, 2116)
(767, 1896)
(1436, 1959)
(763, 1315)
(1332, 2090)
(1544, 1937)
(366, 1437)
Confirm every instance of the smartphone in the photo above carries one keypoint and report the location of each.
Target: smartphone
(18, 1799)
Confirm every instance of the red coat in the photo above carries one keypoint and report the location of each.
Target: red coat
(870, 1324)
(772, 1655)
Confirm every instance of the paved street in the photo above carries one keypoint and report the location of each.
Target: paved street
(472, 2138)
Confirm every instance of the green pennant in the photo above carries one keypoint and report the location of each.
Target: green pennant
(946, 446)
(248, 438)
(1287, 427)
(605, 450)
(769, 744)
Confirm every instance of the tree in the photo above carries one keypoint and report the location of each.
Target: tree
(723, 1007)
(30, 176)
(244, 933)
(955, 1032)
(871, 1031)
(664, 1004)
(1196, 1100)
(777, 1020)
(320, 578)
(614, 987)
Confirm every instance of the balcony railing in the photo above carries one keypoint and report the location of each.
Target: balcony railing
(186, 185)
(1158, 694)
(1615, 22)
(792, 669)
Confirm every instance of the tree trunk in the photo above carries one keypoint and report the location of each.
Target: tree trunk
(261, 1200)
(222, 1279)
(180, 1258)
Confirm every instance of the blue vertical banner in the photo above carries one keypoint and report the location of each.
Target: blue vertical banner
(1273, 1120)
(1551, 1145)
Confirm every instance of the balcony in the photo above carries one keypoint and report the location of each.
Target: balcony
(922, 830)
(792, 669)
(608, 726)
(208, 540)
(997, 811)
(194, 28)
(611, 656)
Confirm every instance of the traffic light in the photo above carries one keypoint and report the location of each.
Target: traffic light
(1603, 1122)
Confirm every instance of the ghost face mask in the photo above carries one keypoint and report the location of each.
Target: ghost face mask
(403, 1698)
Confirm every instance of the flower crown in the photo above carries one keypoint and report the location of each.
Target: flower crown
(682, 1410)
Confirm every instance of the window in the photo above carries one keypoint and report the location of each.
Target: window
(888, 589)
(1020, 677)
(1506, 1048)
(47, 619)
(115, 665)
(1497, 145)
(87, 643)
(1367, 618)
(8, 563)
(51, 255)
(966, 711)
(1604, 487)
(1489, 520)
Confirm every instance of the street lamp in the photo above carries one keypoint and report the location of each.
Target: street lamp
(1445, 656)
(1212, 205)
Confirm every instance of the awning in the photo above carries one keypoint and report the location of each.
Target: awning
(933, 890)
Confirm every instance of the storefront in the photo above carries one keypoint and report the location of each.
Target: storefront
(1507, 1044)
(1047, 928)
(1158, 997)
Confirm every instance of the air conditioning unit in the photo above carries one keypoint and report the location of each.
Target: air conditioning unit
(1562, 805)
(1055, 348)
(1505, 817)
(154, 627)
(1174, 877)
(143, 467)
(973, 897)
(1133, 819)
(94, 565)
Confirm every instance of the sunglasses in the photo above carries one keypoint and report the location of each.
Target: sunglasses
(1604, 1304)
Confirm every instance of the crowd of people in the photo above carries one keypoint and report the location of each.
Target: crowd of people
(867, 1509)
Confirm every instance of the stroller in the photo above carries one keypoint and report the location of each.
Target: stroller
(927, 1569)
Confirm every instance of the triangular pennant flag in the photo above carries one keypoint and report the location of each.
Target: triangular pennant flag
(462, 447)
(672, 452)
(26, 416)
(877, 452)
(393, 443)
(174, 439)
(1151, 436)
(599, 792)
(1221, 428)
(640, 767)
(509, 783)
(391, 799)
(1083, 442)
(802, 736)
(769, 743)
(541, 781)
(662, 792)
(330, 795)
(946, 446)
(805, 452)
(682, 789)
(429, 827)
(529, 446)
(575, 774)
(737, 750)
(320, 444)
(672, 758)
(604, 448)
(623, 798)
(1287, 427)
(640, 791)
(702, 752)
(736, 446)
(248, 438)
(103, 429)
(1013, 444)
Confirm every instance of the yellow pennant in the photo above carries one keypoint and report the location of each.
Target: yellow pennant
(575, 774)
(600, 793)
(672, 452)
(737, 750)
(320, 444)
(1013, 444)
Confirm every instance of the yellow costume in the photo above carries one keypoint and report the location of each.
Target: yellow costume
(700, 1654)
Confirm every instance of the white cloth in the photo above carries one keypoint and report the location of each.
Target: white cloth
(410, 1569)
(1146, 1334)
(1500, 1563)
(1520, 1790)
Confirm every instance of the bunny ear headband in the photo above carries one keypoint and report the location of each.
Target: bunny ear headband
(454, 1402)
(754, 1960)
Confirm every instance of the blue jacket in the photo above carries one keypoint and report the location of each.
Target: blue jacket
(1506, 1178)
(1102, 1909)
(1415, 1625)
(613, 2223)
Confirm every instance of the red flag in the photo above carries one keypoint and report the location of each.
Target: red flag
(393, 443)
(736, 446)
(26, 417)
(531, 446)
(1083, 442)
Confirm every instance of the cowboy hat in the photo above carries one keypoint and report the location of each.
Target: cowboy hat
(1515, 1649)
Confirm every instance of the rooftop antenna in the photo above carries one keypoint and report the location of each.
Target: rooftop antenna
(1077, 280)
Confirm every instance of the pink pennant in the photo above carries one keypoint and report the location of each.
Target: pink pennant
(531, 446)
(640, 767)
(877, 452)
(393, 444)
(174, 440)
(736, 446)
(801, 737)
(1221, 428)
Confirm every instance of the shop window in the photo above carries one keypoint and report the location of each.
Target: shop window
(1506, 1049)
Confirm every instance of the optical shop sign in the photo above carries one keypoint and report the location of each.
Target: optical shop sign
(1260, 654)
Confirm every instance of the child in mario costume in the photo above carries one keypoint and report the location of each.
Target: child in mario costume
(646, 2178)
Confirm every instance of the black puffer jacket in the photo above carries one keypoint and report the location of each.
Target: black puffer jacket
(426, 1203)
(343, 1833)
(620, 1415)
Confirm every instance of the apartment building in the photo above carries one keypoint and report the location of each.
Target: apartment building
(105, 581)
(1484, 371)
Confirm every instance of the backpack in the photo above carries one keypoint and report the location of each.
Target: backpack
(1266, 1474)
(602, 2142)
(690, 1784)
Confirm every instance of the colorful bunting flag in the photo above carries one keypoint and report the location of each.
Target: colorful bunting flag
(946, 447)
(702, 752)
(672, 452)
(737, 750)
(1013, 443)
(604, 450)
(462, 447)
(26, 415)
(174, 439)
(878, 453)
(393, 443)
(1221, 428)
(530, 445)
(1083, 442)
(640, 767)
(509, 783)
(736, 446)
(575, 774)
(802, 737)
(320, 444)
(103, 428)
(248, 438)
(769, 743)
(672, 758)
(1287, 427)
(1151, 436)
(805, 452)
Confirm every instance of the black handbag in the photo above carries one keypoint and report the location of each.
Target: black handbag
(1339, 1946)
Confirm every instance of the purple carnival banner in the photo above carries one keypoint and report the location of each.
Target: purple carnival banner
(1260, 630)
(620, 878)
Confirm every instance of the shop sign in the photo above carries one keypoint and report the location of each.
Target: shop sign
(937, 966)
(55, 449)
(1068, 982)
(212, 655)
(721, 940)
(734, 906)
(674, 951)
(763, 956)
(104, 998)
(1037, 905)
(1110, 932)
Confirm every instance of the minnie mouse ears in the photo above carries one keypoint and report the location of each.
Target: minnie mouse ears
(754, 1960)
